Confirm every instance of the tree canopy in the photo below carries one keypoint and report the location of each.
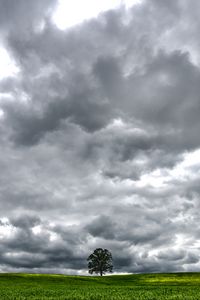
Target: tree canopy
(100, 261)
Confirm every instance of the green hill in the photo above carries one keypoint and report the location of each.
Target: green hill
(119, 287)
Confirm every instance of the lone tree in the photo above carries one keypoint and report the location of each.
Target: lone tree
(100, 261)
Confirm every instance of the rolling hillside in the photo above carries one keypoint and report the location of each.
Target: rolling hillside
(119, 287)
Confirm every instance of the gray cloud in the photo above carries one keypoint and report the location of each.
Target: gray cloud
(23, 15)
(98, 139)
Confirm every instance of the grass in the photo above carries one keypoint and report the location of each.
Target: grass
(178, 286)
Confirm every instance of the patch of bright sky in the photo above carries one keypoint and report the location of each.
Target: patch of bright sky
(196, 244)
(154, 179)
(180, 241)
(7, 66)
(190, 161)
(6, 230)
(191, 158)
(37, 229)
(1, 113)
(128, 128)
(70, 13)
(182, 171)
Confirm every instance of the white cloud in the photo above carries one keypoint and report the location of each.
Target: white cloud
(6, 230)
(71, 13)
(7, 66)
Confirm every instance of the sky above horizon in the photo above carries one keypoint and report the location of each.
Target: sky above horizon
(99, 135)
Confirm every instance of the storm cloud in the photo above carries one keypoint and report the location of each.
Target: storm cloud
(99, 138)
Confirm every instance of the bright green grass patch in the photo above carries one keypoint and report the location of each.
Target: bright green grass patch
(179, 286)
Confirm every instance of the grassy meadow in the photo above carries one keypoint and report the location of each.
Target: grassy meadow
(120, 287)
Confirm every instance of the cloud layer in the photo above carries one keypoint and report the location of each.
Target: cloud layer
(99, 138)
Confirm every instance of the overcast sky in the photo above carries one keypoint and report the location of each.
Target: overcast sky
(99, 134)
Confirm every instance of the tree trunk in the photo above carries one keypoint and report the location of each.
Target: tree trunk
(101, 273)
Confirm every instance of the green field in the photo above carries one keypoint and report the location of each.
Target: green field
(119, 287)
